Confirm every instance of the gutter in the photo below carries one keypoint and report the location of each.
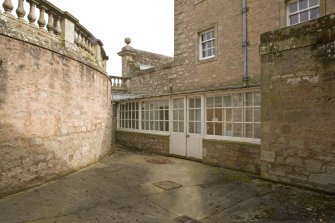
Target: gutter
(245, 42)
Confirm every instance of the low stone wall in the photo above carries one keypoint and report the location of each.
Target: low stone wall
(143, 141)
(55, 110)
(232, 155)
(298, 104)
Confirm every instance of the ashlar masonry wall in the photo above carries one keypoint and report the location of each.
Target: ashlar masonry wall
(298, 104)
(55, 109)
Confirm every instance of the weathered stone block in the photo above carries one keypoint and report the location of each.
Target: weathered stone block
(268, 156)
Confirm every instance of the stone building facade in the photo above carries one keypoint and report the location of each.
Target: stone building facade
(206, 103)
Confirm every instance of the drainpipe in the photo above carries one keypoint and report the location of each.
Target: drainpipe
(245, 43)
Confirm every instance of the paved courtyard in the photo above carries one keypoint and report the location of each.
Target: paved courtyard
(130, 186)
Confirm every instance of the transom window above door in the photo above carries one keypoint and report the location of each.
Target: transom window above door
(302, 10)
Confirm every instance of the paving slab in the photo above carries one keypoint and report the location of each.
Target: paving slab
(121, 188)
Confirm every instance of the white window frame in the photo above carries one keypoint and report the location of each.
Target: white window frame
(213, 40)
(126, 115)
(243, 122)
(308, 9)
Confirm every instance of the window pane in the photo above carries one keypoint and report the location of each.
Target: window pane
(218, 101)
(175, 115)
(237, 100)
(191, 102)
(227, 101)
(198, 127)
(210, 52)
(314, 13)
(175, 126)
(304, 16)
(210, 128)
(218, 129)
(218, 114)
(313, 3)
(303, 4)
(237, 114)
(209, 114)
(229, 129)
(237, 128)
(181, 115)
(161, 126)
(191, 127)
(198, 114)
(249, 98)
(191, 115)
(181, 126)
(229, 114)
(294, 19)
(249, 114)
(198, 103)
(209, 102)
(257, 99)
(293, 7)
(166, 126)
(249, 130)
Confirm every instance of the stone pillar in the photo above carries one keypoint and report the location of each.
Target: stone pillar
(68, 23)
(127, 55)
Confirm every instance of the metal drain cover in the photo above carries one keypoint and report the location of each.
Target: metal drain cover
(186, 219)
(167, 185)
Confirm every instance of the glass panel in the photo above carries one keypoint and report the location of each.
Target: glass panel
(191, 127)
(161, 126)
(237, 100)
(132, 124)
(294, 19)
(191, 114)
(257, 131)
(198, 127)
(166, 115)
(250, 99)
(181, 103)
(313, 3)
(249, 114)
(227, 101)
(229, 114)
(175, 126)
(237, 114)
(181, 126)
(229, 129)
(218, 129)
(198, 115)
(167, 126)
(198, 102)
(218, 115)
(191, 102)
(210, 128)
(209, 114)
(218, 101)
(314, 13)
(209, 102)
(181, 115)
(303, 4)
(304, 16)
(237, 130)
(293, 7)
(257, 114)
(249, 130)
(175, 115)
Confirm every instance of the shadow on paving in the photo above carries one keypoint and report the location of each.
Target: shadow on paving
(120, 188)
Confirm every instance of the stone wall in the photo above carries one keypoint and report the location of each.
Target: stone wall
(55, 110)
(298, 104)
(152, 59)
(232, 155)
(143, 141)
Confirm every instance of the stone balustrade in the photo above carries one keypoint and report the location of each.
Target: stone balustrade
(119, 83)
(57, 23)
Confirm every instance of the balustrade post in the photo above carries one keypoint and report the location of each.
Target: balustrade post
(20, 12)
(57, 30)
(41, 20)
(8, 7)
(31, 15)
(68, 28)
(50, 25)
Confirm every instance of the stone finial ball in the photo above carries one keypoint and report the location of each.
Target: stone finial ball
(127, 40)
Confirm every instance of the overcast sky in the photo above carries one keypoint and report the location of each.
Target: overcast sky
(149, 23)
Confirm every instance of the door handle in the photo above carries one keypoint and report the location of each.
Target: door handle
(188, 136)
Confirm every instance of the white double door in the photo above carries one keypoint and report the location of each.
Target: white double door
(187, 126)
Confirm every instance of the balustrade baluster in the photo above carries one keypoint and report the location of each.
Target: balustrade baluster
(8, 7)
(41, 20)
(50, 25)
(58, 30)
(79, 39)
(31, 15)
(20, 12)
